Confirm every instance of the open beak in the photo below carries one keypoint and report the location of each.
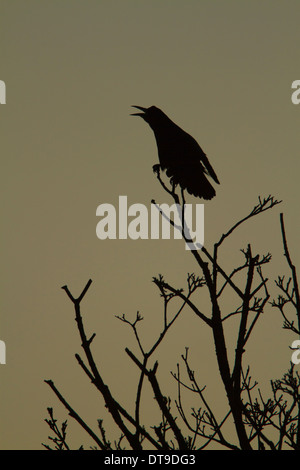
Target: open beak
(139, 114)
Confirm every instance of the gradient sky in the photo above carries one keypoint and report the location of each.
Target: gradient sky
(223, 71)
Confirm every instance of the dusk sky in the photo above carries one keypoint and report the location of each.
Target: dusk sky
(223, 71)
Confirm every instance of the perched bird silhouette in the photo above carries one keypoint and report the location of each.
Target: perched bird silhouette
(179, 154)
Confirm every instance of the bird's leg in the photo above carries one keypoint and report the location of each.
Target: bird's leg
(173, 185)
(183, 208)
(182, 195)
(156, 168)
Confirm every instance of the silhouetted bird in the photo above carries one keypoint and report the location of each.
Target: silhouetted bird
(179, 154)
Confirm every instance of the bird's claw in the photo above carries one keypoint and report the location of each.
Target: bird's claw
(156, 168)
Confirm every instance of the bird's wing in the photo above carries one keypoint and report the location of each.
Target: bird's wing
(198, 154)
(209, 168)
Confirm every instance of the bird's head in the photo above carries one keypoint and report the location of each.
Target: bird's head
(152, 115)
